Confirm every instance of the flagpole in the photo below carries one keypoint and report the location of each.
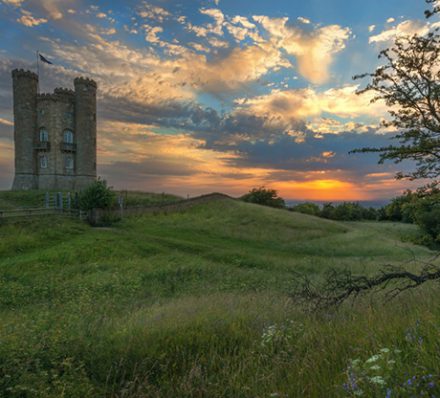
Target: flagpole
(38, 72)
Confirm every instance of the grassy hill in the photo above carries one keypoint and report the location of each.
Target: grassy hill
(196, 304)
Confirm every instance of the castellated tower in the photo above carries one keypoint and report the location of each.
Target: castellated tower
(55, 134)
(24, 85)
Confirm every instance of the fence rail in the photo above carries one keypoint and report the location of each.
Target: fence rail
(67, 205)
(36, 212)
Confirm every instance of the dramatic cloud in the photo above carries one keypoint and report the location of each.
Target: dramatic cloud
(294, 105)
(314, 50)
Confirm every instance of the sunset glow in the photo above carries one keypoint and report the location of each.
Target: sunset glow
(219, 95)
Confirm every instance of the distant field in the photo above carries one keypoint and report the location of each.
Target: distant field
(196, 304)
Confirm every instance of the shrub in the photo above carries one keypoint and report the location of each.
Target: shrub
(97, 196)
(311, 209)
(427, 215)
(265, 197)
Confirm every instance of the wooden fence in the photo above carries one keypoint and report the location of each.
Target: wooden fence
(58, 204)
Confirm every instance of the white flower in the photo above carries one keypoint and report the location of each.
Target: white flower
(377, 380)
(375, 367)
(385, 350)
(374, 358)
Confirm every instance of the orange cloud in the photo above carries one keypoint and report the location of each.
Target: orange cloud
(314, 50)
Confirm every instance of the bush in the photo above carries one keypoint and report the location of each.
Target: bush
(265, 197)
(427, 215)
(96, 196)
(311, 209)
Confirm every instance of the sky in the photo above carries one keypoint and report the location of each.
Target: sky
(196, 96)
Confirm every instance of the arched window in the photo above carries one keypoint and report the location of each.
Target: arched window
(68, 136)
(44, 135)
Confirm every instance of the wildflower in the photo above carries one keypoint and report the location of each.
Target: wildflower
(389, 391)
(374, 358)
(385, 350)
(375, 367)
(378, 380)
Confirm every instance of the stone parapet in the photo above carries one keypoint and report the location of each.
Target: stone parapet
(19, 73)
(84, 81)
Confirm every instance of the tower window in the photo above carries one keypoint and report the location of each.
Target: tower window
(44, 135)
(68, 162)
(68, 137)
(43, 162)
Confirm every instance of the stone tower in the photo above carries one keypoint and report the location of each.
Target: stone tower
(55, 134)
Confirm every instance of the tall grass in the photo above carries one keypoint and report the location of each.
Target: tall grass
(196, 304)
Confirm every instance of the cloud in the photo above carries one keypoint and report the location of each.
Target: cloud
(303, 20)
(219, 18)
(152, 33)
(298, 104)
(371, 28)
(16, 3)
(30, 21)
(390, 20)
(405, 28)
(6, 122)
(314, 50)
(155, 13)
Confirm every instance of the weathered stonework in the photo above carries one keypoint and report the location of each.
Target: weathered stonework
(54, 134)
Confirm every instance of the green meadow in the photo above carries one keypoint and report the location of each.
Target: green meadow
(198, 304)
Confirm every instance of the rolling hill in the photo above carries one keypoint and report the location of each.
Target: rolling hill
(197, 304)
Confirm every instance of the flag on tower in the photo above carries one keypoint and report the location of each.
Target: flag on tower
(45, 59)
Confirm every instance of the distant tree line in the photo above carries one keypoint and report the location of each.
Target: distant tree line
(420, 207)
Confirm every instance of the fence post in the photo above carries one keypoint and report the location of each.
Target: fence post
(47, 200)
(121, 205)
(76, 201)
(60, 200)
(69, 201)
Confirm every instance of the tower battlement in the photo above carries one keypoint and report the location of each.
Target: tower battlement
(64, 91)
(54, 134)
(21, 73)
(84, 81)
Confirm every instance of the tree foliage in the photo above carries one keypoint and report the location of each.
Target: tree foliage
(409, 84)
(309, 208)
(435, 9)
(346, 211)
(264, 196)
(97, 196)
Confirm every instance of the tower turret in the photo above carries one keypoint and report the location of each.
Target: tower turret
(25, 84)
(85, 130)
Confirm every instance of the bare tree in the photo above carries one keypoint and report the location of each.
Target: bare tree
(339, 286)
